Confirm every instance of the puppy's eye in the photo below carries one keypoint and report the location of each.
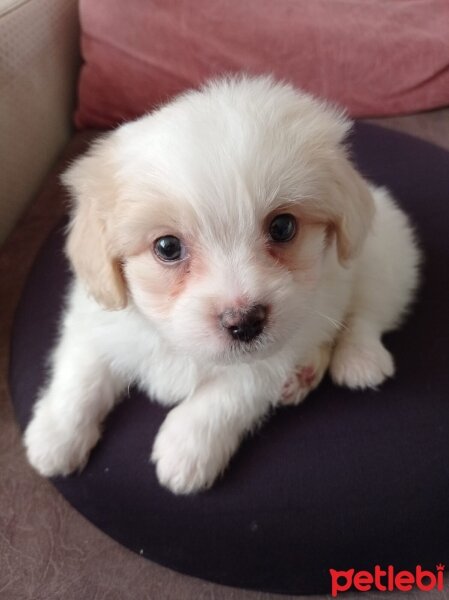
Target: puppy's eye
(169, 248)
(283, 228)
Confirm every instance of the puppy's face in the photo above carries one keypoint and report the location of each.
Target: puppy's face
(214, 216)
(227, 286)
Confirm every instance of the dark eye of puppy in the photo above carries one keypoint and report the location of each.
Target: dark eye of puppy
(282, 228)
(169, 248)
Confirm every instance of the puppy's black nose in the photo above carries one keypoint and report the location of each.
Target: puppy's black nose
(245, 325)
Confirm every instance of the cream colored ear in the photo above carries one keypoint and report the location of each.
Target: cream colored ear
(347, 204)
(355, 209)
(89, 246)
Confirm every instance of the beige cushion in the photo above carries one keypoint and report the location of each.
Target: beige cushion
(38, 70)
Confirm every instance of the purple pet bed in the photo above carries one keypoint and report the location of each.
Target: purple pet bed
(345, 480)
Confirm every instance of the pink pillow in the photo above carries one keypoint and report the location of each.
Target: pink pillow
(375, 57)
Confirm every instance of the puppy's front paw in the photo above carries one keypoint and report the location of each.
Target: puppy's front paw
(54, 449)
(305, 378)
(298, 385)
(361, 365)
(187, 458)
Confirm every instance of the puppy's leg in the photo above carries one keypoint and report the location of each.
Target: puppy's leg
(306, 377)
(360, 360)
(67, 417)
(386, 278)
(198, 437)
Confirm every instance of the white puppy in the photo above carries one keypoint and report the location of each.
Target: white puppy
(226, 253)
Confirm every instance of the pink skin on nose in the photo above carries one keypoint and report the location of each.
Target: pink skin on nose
(233, 317)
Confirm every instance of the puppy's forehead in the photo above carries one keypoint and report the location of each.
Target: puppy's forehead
(229, 154)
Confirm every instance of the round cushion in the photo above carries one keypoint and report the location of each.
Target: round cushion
(345, 480)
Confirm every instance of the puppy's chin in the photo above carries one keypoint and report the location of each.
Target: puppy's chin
(217, 350)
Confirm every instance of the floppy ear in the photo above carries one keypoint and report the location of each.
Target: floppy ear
(89, 245)
(348, 202)
(354, 209)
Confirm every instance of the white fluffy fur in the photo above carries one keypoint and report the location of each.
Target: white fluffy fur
(210, 167)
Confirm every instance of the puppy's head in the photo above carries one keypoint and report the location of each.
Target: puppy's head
(216, 214)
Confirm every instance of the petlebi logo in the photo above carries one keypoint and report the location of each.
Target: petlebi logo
(387, 580)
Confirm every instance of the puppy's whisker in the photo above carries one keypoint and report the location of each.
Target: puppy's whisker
(335, 322)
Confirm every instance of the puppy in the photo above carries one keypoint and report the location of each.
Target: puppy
(226, 254)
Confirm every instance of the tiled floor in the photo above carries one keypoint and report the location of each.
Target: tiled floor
(47, 550)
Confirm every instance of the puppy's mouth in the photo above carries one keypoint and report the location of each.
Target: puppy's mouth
(256, 348)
